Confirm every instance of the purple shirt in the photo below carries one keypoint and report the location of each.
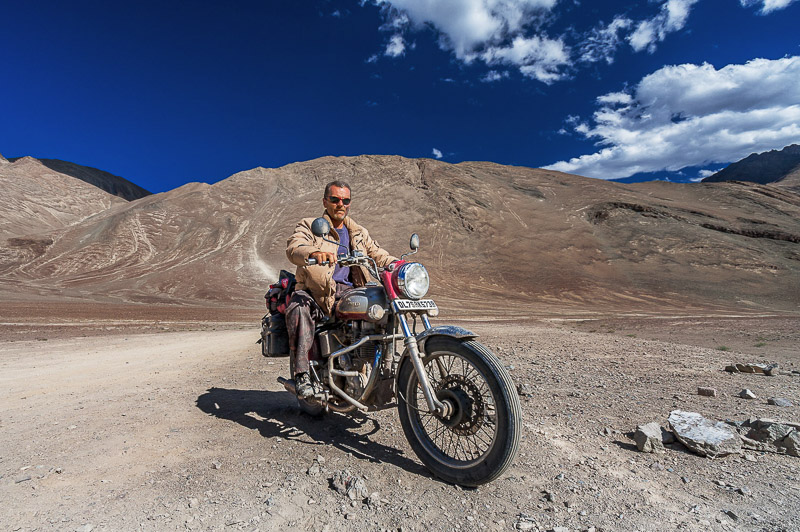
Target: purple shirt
(342, 275)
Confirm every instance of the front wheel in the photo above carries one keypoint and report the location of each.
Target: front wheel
(480, 439)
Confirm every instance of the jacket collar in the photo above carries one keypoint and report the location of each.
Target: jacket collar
(352, 227)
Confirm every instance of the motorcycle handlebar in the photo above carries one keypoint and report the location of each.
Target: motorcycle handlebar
(346, 260)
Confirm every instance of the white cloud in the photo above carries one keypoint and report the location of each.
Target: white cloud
(692, 115)
(767, 6)
(481, 30)
(613, 98)
(702, 174)
(437, 153)
(396, 46)
(672, 17)
(514, 33)
(601, 43)
(536, 58)
(494, 75)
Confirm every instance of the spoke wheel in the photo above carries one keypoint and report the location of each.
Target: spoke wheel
(479, 438)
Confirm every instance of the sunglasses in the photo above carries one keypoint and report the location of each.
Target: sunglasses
(334, 199)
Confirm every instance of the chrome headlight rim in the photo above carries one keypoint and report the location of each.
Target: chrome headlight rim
(413, 280)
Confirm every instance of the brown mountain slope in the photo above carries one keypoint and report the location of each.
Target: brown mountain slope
(791, 181)
(113, 184)
(494, 236)
(36, 198)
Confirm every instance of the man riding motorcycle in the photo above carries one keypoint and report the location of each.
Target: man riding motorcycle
(321, 284)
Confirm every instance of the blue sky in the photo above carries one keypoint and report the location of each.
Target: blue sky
(164, 93)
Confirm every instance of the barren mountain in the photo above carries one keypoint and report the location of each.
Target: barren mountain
(792, 180)
(37, 198)
(773, 166)
(531, 236)
(113, 184)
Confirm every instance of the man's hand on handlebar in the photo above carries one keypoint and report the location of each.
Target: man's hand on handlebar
(323, 257)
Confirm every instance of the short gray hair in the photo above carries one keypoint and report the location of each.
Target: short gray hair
(337, 183)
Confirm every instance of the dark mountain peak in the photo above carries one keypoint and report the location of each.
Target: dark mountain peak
(115, 185)
(767, 167)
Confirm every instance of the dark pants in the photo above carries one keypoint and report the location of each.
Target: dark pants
(302, 315)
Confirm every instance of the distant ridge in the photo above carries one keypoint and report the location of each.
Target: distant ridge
(768, 167)
(499, 239)
(115, 185)
(37, 198)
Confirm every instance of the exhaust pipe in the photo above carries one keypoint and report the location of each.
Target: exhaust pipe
(288, 384)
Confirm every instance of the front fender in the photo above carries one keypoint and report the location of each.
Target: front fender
(440, 330)
(443, 330)
(427, 334)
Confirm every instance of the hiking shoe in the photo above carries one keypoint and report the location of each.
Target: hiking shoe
(302, 383)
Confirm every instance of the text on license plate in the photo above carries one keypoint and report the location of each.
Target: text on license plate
(409, 304)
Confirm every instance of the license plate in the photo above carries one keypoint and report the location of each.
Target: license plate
(410, 304)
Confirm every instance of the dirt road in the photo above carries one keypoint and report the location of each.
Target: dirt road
(189, 430)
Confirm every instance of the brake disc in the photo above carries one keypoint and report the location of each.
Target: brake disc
(468, 418)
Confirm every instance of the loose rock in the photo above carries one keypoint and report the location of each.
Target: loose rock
(648, 438)
(708, 392)
(703, 436)
(779, 401)
(525, 390)
(770, 435)
(525, 522)
(349, 485)
(747, 394)
(374, 500)
(763, 369)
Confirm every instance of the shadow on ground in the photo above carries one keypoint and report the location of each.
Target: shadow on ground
(276, 414)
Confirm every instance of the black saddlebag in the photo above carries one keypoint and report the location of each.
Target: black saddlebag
(274, 336)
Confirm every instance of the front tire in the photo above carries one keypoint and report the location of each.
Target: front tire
(481, 439)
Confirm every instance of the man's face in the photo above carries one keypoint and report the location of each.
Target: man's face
(336, 208)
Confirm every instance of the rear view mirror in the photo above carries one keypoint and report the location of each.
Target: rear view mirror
(414, 242)
(320, 227)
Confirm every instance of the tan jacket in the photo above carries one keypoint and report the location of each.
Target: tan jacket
(318, 279)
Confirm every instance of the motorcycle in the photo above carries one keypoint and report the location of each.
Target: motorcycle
(457, 404)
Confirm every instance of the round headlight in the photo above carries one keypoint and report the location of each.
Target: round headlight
(413, 280)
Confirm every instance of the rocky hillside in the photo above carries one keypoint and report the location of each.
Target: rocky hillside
(113, 184)
(494, 237)
(37, 198)
(769, 167)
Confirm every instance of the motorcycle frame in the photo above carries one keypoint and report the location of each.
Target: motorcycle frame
(413, 342)
(412, 351)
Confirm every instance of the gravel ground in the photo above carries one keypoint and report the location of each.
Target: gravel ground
(190, 431)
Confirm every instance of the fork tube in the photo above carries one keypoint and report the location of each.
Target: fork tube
(425, 321)
(434, 405)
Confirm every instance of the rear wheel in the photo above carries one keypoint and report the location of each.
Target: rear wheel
(479, 440)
